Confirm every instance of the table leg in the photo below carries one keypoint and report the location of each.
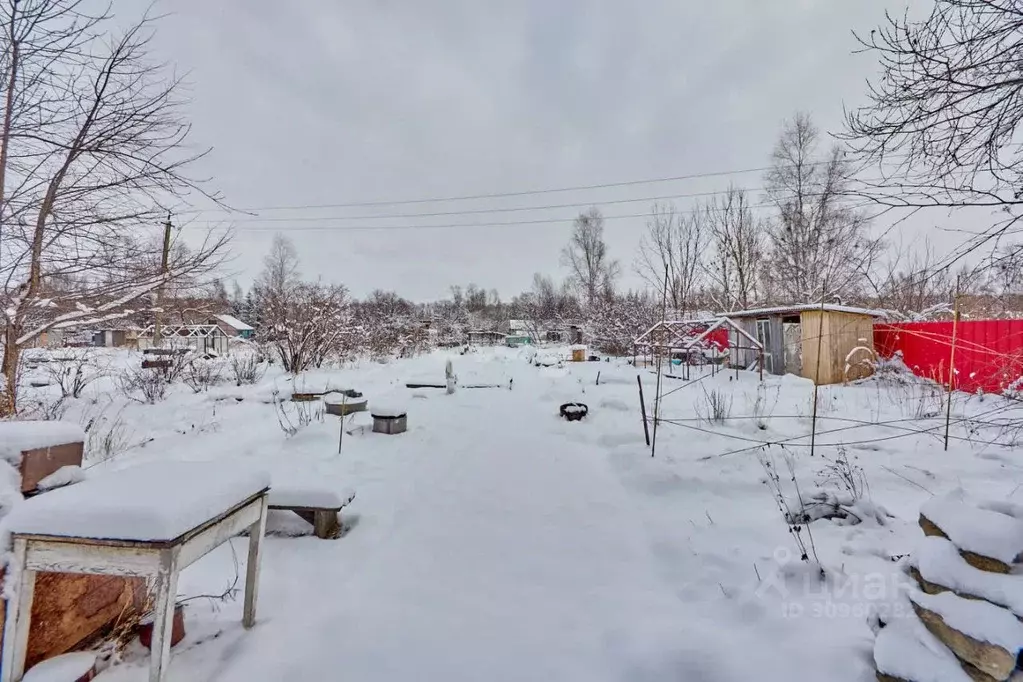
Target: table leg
(18, 618)
(256, 533)
(163, 618)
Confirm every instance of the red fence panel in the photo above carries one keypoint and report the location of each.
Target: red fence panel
(988, 353)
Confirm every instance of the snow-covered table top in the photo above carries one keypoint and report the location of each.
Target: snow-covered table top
(16, 437)
(146, 503)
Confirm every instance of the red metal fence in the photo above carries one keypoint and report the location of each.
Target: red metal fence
(988, 353)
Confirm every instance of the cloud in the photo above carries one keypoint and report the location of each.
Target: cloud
(310, 103)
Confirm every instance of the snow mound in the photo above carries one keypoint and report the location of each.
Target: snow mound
(977, 619)
(155, 502)
(63, 476)
(389, 410)
(16, 437)
(939, 562)
(64, 668)
(841, 507)
(342, 399)
(906, 650)
(981, 531)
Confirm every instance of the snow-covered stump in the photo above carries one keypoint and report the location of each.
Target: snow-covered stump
(389, 420)
(968, 606)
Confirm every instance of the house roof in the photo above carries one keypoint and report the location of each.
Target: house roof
(234, 323)
(783, 310)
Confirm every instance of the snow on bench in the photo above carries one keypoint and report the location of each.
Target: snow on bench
(150, 502)
(321, 507)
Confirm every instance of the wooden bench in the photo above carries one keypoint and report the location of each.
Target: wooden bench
(319, 507)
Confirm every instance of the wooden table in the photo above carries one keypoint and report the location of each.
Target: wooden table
(160, 561)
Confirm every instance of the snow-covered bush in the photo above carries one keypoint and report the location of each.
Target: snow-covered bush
(105, 437)
(45, 409)
(843, 473)
(74, 373)
(716, 406)
(773, 481)
(762, 407)
(247, 368)
(293, 416)
(144, 385)
(199, 374)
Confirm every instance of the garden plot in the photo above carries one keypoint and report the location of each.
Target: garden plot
(496, 539)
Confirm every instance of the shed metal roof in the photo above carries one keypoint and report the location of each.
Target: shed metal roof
(783, 310)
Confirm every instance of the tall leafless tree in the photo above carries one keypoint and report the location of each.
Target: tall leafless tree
(674, 244)
(735, 268)
(942, 121)
(92, 146)
(819, 244)
(591, 271)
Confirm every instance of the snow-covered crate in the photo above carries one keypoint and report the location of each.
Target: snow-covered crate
(341, 404)
(39, 448)
(391, 419)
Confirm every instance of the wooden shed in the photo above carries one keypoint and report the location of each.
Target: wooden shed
(828, 344)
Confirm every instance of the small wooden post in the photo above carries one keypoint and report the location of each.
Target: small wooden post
(18, 618)
(642, 408)
(256, 533)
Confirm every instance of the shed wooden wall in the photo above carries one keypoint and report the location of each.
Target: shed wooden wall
(836, 336)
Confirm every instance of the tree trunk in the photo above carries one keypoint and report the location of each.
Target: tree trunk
(9, 396)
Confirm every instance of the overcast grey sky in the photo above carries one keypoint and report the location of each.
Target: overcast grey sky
(325, 103)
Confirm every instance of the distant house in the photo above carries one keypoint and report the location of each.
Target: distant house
(116, 337)
(484, 337)
(554, 332)
(51, 338)
(232, 326)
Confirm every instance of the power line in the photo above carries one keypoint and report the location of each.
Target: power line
(508, 209)
(501, 195)
(507, 223)
(498, 195)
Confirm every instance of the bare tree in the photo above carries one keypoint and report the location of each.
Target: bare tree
(92, 145)
(943, 114)
(735, 268)
(591, 271)
(280, 266)
(819, 245)
(911, 283)
(306, 324)
(674, 244)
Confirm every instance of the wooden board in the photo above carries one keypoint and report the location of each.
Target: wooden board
(71, 612)
(834, 336)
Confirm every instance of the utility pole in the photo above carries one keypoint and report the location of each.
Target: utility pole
(157, 336)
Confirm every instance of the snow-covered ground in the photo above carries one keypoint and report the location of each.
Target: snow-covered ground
(494, 540)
